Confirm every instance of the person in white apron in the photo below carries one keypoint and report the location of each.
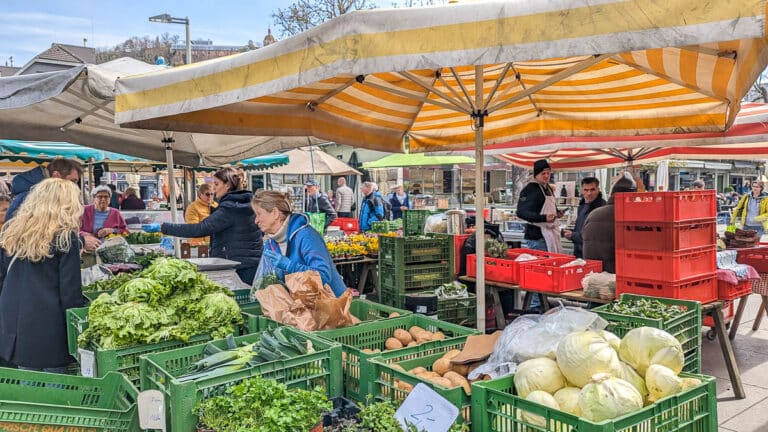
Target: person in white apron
(550, 229)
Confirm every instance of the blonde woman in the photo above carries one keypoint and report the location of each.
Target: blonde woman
(40, 276)
(200, 209)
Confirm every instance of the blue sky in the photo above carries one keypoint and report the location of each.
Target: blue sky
(28, 27)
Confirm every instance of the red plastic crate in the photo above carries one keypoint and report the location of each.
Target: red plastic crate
(665, 266)
(348, 225)
(700, 288)
(507, 270)
(756, 257)
(728, 314)
(458, 243)
(726, 291)
(665, 236)
(676, 206)
(551, 277)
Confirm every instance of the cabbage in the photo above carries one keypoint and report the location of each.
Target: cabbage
(644, 346)
(629, 375)
(662, 382)
(538, 374)
(582, 354)
(689, 383)
(568, 399)
(542, 398)
(606, 397)
(613, 340)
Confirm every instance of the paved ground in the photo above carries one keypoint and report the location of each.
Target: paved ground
(751, 350)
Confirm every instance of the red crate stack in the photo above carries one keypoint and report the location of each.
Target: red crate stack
(666, 244)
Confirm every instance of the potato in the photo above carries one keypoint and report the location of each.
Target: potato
(415, 331)
(376, 351)
(444, 382)
(394, 315)
(424, 336)
(438, 336)
(451, 354)
(403, 336)
(418, 370)
(413, 343)
(398, 367)
(428, 374)
(460, 369)
(459, 380)
(441, 365)
(367, 350)
(402, 385)
(392, 344)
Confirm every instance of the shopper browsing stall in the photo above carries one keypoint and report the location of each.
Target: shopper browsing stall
(372, 208)
(131, 200)
(234, 236)
(99, 219)
(318, 202)
(40, 276)
(750, 206)
(345, 198)
(591, 198)
(400, 201)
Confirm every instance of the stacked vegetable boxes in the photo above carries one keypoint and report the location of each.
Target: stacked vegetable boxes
(414, 221)
(680, 318)
(32, 401)
(361, 343)
(508, 270)
(411, 264)
(496, 407)
(665, 244)
(306, 371)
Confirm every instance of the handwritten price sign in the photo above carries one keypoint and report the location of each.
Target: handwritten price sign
(427, 410)
(151, 410)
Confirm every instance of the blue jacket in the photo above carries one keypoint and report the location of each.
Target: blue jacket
(234, 235)
(371, 211)
(20, 186)
(307, 251)
(395, 203)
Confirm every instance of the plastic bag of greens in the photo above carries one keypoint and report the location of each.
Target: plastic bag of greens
(115, 250)
(266, 274)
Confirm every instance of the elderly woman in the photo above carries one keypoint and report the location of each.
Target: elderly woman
(292, 245)
(131, 200)
(399, 200)
(234, 236)
(99, 219)
(750, 206)
(200, 209)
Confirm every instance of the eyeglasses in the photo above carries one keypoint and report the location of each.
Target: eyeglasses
(209, 194)
(102, 196)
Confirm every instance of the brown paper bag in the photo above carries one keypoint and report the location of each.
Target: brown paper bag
(278, 305)
(477, 348)
(331, 313)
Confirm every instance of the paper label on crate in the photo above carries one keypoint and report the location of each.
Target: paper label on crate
(151, 410)
(426, 410)
(87, 363)
(421, 309)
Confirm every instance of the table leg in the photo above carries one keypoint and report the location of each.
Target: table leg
(363, 279)
(737, 318)
(544, 302)
(501, 320)
(730, 359)
(763, 309)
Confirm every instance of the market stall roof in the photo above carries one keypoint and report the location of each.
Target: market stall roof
(40, 151)
(313, 161)
(747, 139)
(417, 159)
(77, 106)
(257, 163)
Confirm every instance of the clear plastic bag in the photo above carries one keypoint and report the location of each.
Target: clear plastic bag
(94, 273)
(599, 285)
(436, 223)
(266, 275)
(115, 250)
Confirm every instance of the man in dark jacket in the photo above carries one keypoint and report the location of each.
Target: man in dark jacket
(591, 198)
(598, 233)
(318, 202)
(22, 183)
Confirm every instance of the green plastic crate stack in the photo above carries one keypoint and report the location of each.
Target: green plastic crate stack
(414, 221)
(386, 226)
(37, 401)
(495, 407)
(360, 342)
(321, 368)
(123, 360)
(686, 327)
(461, 311)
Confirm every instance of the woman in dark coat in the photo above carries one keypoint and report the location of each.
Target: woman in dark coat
(234, 235)
(40, 277)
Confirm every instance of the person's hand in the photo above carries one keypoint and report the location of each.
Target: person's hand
(277, 259)
(403, 208)
(551, 218)
(91, 242)
(103, 232)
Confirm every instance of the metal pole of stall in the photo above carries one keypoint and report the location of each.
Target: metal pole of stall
(168, 141)
(479, 116)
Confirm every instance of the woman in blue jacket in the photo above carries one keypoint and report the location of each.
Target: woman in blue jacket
(291, 243)
(234, 236)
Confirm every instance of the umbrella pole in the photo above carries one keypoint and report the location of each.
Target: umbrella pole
(168, 141)
(479, 121)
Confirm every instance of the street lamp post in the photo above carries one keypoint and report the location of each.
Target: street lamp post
(166, 18)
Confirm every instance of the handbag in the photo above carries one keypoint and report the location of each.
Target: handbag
(317, 221)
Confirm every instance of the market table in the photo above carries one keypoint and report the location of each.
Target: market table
(369, 265)
(715, 309)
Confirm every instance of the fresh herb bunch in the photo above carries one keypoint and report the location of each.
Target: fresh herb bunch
(495, 249)
(263, 405)
(648, 308)
(146, 260)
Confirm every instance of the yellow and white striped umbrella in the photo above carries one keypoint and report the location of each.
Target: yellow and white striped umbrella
(555, 68)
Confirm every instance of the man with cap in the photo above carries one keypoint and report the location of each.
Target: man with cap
(318, 202)
(536, 206)
(598, 233)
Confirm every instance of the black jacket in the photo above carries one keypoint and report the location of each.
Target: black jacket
(234, 234)
(321, 204)
(34, 298)
(529, 208)
(599, 236)
(584, 210)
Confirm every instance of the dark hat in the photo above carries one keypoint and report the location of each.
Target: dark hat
(625, 184)
(539, 166)
(311, 182)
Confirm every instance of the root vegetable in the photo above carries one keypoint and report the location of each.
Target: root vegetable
(403, 336)
(392, 344)
(441, 365)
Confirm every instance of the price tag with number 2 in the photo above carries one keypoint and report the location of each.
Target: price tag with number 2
(426, 410)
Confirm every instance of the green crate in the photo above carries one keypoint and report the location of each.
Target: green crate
(386, 226)
(462, 311)
(38, 401)
(123, 360)
(402, 251)
(414, 221)
(254, 320)
(686, 327)
(158, 371)
(385, 373)
(372, 335)
(414, 276)
(495, 407)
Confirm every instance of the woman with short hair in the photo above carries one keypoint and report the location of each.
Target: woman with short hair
(40, 276)
(200, 209)
(131, 200)
(750, 206)
(99, 219)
